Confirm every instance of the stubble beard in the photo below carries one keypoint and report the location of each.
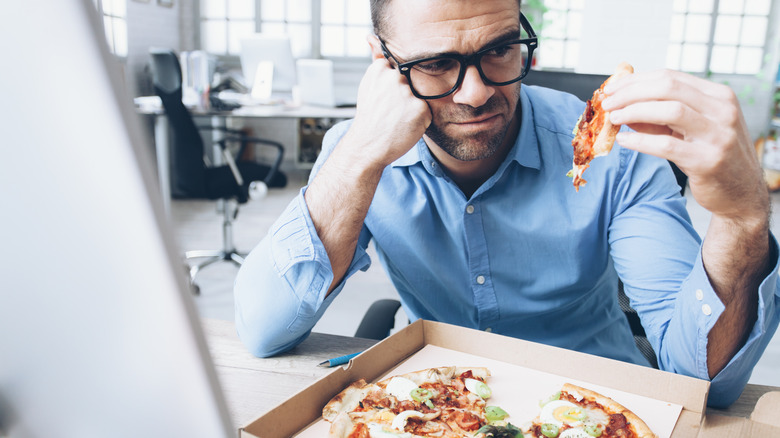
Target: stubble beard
(476, 146)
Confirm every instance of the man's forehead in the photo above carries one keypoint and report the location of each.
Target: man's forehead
(450, 25)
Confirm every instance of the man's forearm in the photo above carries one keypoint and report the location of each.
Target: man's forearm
(338, 200)
(736, 257)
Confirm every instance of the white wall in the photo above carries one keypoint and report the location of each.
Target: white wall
(149, 25)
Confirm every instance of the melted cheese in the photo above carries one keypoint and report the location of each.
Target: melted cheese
(401, 388)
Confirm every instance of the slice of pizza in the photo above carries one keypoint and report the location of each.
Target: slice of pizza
(594, 134)
(577, 412)
(445, 402)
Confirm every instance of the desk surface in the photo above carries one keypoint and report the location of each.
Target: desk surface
(253, 386)
(264, 111)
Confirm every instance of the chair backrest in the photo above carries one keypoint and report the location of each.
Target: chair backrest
(188, 170)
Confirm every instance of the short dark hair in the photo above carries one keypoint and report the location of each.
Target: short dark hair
(378, 16)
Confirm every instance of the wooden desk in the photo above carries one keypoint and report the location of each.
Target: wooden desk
(253, 386)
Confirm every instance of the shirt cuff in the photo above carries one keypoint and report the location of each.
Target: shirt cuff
(699, 308)
(299, 257)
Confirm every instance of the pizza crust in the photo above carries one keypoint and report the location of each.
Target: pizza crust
(606, 138)
(346, 401)
(641, 429)
(441, 374)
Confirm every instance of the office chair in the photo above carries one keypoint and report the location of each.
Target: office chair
(192, 177)
(379, 319)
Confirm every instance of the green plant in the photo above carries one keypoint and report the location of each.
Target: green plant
(534, 10)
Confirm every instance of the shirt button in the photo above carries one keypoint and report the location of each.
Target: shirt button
(706, 309)
(433, 164)
(469, 209)
(481, 279)
(489, 330)
(699, 294)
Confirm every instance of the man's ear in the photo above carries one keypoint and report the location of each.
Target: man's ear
(376, 47)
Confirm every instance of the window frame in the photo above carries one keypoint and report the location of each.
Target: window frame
(711, 44)
(111, 43)
(315, 25)
(543, 8)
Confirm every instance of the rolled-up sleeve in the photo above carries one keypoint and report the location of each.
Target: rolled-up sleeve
(658, 256)
(281, 290)
(684, 347)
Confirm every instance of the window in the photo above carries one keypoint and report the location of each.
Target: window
(224, 22)
(559, 30)
(114, 13)
(317, 28)
(718, 36)
(344, 27)
(291, 17)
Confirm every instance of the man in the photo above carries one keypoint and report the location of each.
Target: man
(465, 197)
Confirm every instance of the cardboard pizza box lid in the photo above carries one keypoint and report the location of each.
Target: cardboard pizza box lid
(763, 422)
(305, 407)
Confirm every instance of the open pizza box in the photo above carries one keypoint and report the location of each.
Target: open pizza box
(521, 372)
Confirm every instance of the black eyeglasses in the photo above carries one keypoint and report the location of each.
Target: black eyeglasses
(500, 64)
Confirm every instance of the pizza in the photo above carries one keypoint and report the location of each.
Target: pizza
(453, 402)
(576, 412)
(445, 402)
(594, 134)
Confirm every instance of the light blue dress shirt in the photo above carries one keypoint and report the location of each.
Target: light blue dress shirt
(526, 256)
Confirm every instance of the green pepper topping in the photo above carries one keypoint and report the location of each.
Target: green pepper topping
(508, 431)
(423, 396)
(556, 396)
(494, 413)
(482, 390)
(550, 430)
(593, 430)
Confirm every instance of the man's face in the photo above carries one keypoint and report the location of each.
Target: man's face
(471, 123)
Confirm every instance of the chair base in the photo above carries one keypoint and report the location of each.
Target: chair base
(210, 257)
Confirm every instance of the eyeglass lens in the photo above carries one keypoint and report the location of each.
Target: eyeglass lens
(436, 76)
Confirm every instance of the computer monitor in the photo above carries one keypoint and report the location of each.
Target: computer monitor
(99, 335)
(265, 48)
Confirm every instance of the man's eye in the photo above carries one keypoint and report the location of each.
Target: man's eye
(501, 51)
(436, 66)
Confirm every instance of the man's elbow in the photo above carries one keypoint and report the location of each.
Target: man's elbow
(264, 343)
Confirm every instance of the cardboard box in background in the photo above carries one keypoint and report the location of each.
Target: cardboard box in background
(306, 407)
(764, 422)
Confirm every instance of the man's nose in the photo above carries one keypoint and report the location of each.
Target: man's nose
(473, 91)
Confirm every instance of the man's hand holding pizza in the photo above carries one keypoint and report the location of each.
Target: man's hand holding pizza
(699, 126)
(388, 122)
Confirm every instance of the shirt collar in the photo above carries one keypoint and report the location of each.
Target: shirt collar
(525, 150)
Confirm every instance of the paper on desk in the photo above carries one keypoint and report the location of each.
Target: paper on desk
(518, 390)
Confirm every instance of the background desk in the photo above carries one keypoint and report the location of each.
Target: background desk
(221, 118)
(254, 386)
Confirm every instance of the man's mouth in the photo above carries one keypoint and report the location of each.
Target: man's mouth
(477, 122)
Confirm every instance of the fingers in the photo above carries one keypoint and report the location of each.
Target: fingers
(388, 117)
(665, 85)
(665, 117)
(698, 125)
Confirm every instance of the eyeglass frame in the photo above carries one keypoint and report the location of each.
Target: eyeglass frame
(475, 59)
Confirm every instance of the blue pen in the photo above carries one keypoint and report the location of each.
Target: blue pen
(338, 360)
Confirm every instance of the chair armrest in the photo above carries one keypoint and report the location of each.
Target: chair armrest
(246, 140)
